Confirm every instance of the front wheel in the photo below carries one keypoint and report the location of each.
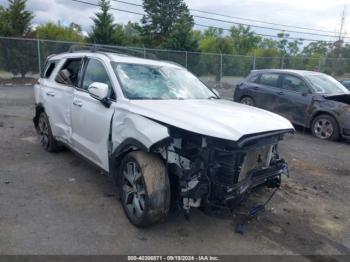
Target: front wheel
(145, 189)
(325, 127)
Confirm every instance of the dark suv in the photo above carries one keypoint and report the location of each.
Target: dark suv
(346, 83)
(310, 99)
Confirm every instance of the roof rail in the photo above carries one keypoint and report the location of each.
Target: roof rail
(92, 48)
(109, 49)
(77, 48)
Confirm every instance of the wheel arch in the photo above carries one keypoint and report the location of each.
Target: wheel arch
(127, 146)
(39, 108)
(322, 112)
(245, 95)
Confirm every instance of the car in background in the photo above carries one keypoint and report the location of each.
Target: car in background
(309, 99)
(346, 83)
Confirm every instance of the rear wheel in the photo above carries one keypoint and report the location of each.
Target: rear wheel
(48, 142)
(145, 189)
(247, 100)
(325, 127)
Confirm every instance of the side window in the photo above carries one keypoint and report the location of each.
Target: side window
(96, 72)
(269, 79)
(49, 67)
(293, 83)
(254, 78)
(68, 74)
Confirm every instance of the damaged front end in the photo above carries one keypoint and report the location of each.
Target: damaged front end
(214, 173)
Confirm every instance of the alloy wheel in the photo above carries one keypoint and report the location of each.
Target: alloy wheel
(133, 190)
(323, 128)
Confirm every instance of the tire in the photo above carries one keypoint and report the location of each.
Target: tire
(325, 127)
(48, 142)
(145, 189)
(247, 100)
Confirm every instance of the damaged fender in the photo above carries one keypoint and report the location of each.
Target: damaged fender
(132, 131)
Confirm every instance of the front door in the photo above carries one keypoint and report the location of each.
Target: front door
(294, 99)
(90, 118)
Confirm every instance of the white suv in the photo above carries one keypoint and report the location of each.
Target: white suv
(158, 131)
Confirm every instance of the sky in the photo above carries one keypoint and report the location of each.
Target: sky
(315, 14)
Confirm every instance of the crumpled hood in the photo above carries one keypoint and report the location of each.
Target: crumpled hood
(217, 118)
(342, 98)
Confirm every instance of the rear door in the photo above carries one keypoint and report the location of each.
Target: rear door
(266, 90)
(294, 99)
(59, 93)
(90, 118)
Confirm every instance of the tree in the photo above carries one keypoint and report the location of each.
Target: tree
(19, 57)
(267, 54)
(104, 28)
(17, 19)
(127, 35)
(320, 48)
(244, 40)
(213, 41)
(56, 31)
(3, 21)
(131, 34)
(167, 24)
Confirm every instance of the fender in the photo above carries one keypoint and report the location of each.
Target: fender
(131, 132)
(126, 146)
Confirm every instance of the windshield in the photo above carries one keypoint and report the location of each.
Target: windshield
(325, 84)
(159, 82)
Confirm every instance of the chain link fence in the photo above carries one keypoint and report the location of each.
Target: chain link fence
(21, 60)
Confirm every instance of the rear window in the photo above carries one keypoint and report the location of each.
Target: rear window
(253, 78)
(269, 79)
(49, 67)
(68, 74)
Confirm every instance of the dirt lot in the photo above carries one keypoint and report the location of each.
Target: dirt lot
(59, 204)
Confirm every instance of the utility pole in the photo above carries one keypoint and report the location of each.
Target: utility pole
(339, 43)
(341, 32)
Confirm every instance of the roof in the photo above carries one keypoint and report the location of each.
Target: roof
(119, 58)
(292, 71)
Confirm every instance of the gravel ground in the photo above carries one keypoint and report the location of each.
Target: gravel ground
(59, 204)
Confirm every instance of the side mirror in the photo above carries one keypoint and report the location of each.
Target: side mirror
(98, 90)
(216, 92)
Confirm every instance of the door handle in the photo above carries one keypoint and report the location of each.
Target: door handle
(280, 93)
(50, 93)
(256, 87)
(77, 103)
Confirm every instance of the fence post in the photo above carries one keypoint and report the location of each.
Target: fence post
(186, 59)
(144, 52)
(221, 73)
(39, 54)
(254, 61)
(282, 62)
